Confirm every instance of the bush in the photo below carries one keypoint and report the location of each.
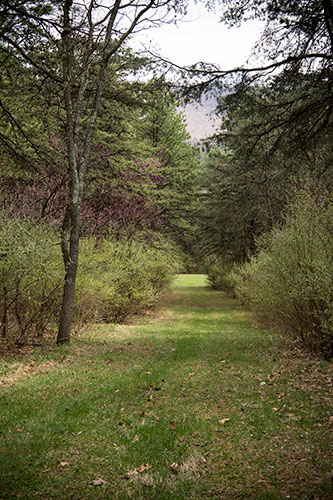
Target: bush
(30, 279)
(117, 279)
(289, 283)
(190, 264)
(218, 272)
(241, 280)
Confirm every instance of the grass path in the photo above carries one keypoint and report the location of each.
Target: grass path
(192, 402)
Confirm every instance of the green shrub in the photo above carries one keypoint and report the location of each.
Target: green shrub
(218, 272)
(30, 279)
(290, 282)
(190, 264)
(117, 279)
(241, 281)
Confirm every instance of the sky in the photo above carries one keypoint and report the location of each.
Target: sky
(200, 37)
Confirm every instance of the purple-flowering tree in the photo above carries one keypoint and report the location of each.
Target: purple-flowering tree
(126, 204)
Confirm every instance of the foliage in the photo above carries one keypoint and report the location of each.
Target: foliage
(127, 189)
(298, 30)
(235, 206)
(125, 204)
(119, 279)
(289, 283)
(116, 279)
(218, 272)
(30, 279)
(276, 122)
(164, 129)
(190, 263)
(272, 137)
(240, 279)
(142, 171)
(281, 125)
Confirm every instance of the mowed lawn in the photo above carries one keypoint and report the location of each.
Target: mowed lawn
(192, 401)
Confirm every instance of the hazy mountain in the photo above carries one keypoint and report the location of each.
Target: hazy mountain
(201, 119)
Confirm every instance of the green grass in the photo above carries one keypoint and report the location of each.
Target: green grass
(143, 407)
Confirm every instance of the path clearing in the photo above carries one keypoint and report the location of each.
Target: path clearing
(193, 401)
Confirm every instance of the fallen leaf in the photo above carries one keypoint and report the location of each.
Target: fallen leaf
(173, 425)
(224, 420)
(191, 374)
(97, 482)
(148, 373)
(133, 472)
(174, 467)
(144, 467)
(64, 464)
(275, 409)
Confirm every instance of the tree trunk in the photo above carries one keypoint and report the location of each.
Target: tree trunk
(67, 306)
(71, 260)
(5, 310)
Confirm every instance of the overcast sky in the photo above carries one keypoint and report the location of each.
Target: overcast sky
(200, 37)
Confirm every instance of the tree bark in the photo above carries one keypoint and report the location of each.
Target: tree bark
(5, 311)
(68, 298)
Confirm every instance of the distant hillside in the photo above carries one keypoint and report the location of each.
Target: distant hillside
(201, 119)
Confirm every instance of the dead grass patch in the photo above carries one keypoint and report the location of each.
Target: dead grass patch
(28, 370)
(219, 315)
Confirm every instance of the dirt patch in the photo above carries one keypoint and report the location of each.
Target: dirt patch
(23, 371)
